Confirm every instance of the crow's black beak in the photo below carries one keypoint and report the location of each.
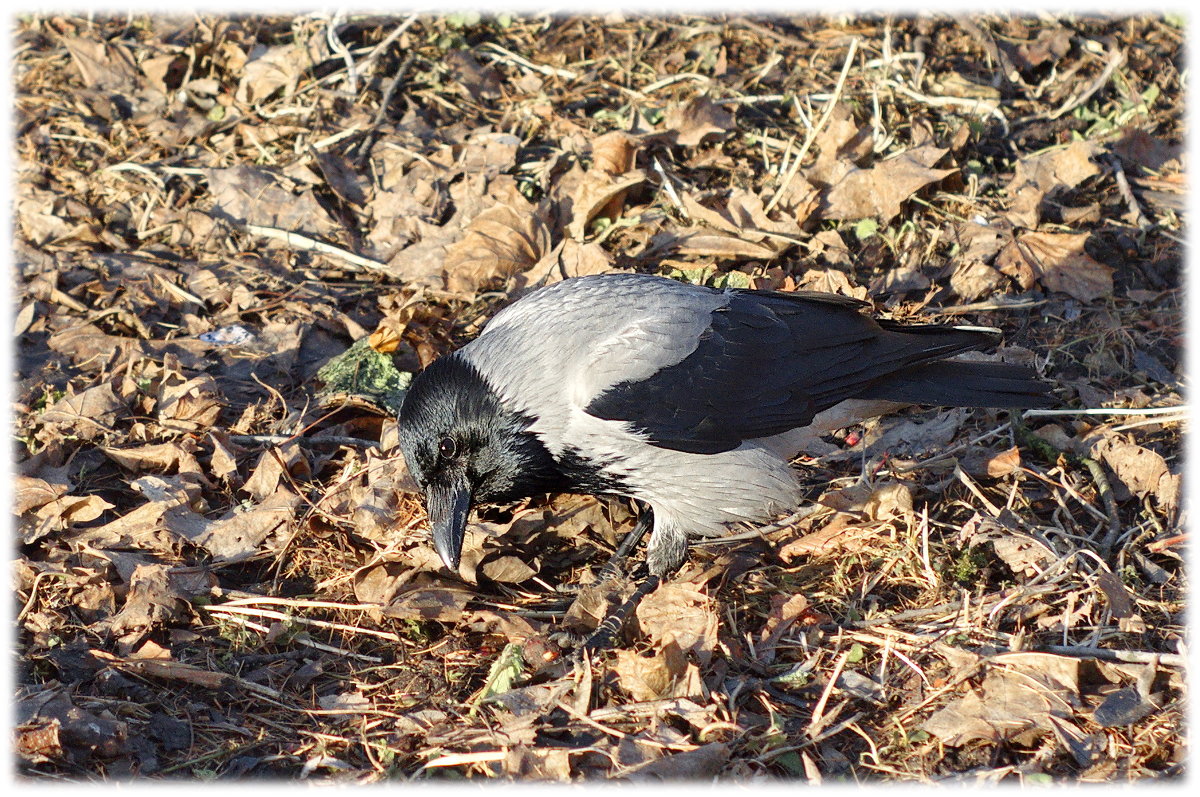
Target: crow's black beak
(448, 505)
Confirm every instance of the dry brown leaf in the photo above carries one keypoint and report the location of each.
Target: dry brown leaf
(1142, 471)
(1058, 261)
(888, 501)
(239, 535)
(665, 673)
(245, 194)
(1004, 463)
(785, 610)
(840, 145)
(595, 193)
(60, 513)
(1024, 554)
(613, 154)
(702, 242)
(643, 678)
(75, 508)
(501, 241)
(223, 463)
(1017, 702)
(974, 278)
(696, 765)
(569, 259)
(30, 492)
(480, 82)
(442, 603)
(1039, 176)
(103, 64)
(387, 336)
(861, 508)
(265, 477)
(278, 67)
(178, 456)
(838, 535)
(88, 413)
(507, 569)
(153, 599)
(696, 120)
(881, 190)
(830, 280)
(748, 212)
(744, 217)
(678, 613)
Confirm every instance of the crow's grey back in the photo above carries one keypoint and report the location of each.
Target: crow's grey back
(559, 347)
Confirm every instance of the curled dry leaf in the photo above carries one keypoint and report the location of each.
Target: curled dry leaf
(1037, 176)
(501, 241)
(386, 337)
(881, 190)
(88, 413)
(30, 492)
(665, 673)
(613, 154)
(1142, 471)
(678, 613)
(1024, 554)
(59, 513)
(697, 120)
(1058, 261)
(785, 611)
(596, 191)
(840, 145)
(240, 535)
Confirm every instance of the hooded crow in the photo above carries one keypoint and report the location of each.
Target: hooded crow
(689, 399)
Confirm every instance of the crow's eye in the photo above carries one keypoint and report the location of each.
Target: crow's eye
(447, 448)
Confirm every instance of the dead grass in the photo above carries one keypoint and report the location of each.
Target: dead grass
(221, 574)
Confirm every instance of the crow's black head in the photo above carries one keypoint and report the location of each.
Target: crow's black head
(463, 447)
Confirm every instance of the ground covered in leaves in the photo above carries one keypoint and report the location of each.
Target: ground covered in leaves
(221, 571)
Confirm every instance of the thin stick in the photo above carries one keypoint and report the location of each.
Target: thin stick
(271, 614)
(812, 134)
(511, 57)
(1131, 656)
(1116, 57)
(298, 241)
(1178, 408)
(819, 709)
(309, 643)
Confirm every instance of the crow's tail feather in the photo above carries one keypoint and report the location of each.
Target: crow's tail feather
(957, 383)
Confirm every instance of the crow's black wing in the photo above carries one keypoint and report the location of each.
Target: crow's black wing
(771, 361)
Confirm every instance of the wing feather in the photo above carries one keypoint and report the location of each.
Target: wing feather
(768, 362)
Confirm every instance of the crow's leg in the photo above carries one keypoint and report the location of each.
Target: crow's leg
(613, 565)
(606, 633)
(644, 522)
(664, 555)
